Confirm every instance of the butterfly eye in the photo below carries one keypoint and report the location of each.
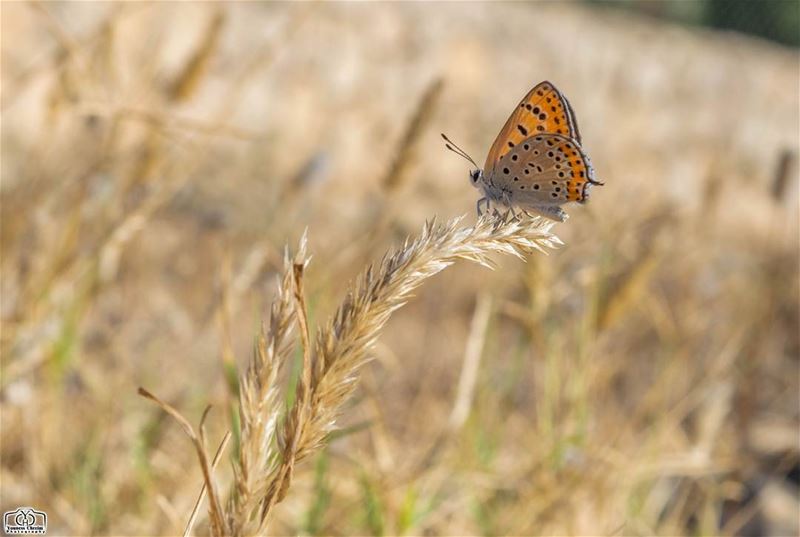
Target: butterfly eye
(474, 175)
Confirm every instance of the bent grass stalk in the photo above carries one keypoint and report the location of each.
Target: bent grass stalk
(270, 447)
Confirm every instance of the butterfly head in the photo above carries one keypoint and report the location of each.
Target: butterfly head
(475, 177)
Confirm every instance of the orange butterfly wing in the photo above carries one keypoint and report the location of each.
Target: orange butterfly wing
(544, 109)
(580, 171)
(545, 169)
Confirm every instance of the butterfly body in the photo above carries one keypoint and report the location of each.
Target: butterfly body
(537, 162)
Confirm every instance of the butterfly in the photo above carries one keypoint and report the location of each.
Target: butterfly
(536, 163)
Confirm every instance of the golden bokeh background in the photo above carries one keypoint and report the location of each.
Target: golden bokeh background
(158, 157)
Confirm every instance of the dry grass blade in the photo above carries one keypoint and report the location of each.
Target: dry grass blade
(405, 152)
(217, 456)
(624, 292)
(783, 173)
(214, 509)
(472, 358)
(187, 82)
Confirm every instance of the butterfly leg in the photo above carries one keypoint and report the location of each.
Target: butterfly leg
(482, 201)
(506, 200)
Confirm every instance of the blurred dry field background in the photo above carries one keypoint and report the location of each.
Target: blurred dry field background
(156, 159)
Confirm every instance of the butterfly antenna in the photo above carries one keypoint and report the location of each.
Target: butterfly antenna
(457, 150)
